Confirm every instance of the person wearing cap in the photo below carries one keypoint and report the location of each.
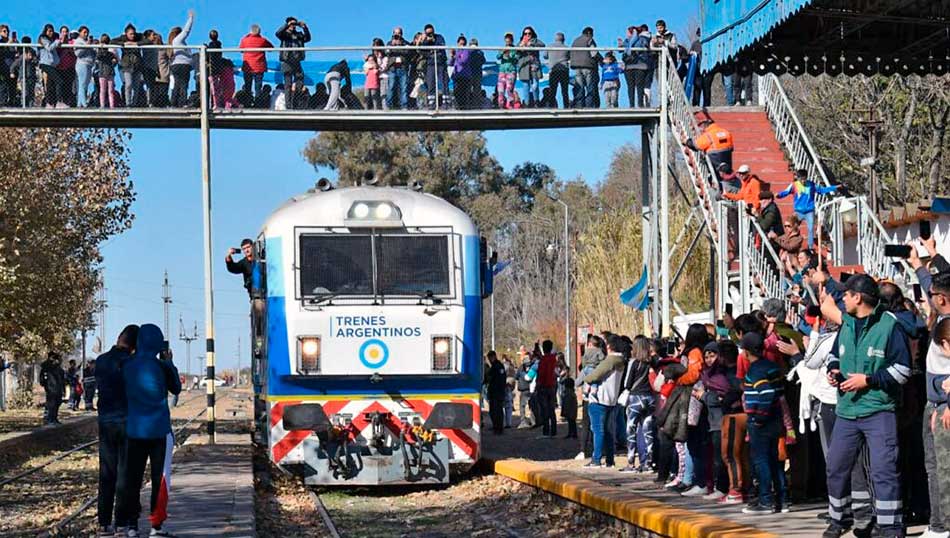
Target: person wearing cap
(716, 142)
(762, 388)
(806, 191)
(769, 217)
(869, 363)
(749, 188)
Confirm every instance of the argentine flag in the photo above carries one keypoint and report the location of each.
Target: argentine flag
(637, 296)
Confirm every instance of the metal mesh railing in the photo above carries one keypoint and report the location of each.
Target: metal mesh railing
(407, 78)
(761, 266)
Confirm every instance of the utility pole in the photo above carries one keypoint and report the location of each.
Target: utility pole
(187, 339)
(167, 300)
(872, 126)
(237, 378)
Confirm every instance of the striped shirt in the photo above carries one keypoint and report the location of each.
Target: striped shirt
(762, 387)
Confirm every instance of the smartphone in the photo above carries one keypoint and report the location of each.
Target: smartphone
(840, 378)
(813, 311)
(897, 251)
(917, 293)
(924, 229)
(720, 324)
(670, 348)
(729, 308)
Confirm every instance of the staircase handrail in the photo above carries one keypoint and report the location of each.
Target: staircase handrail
(789, 129)
(684, 127)
(772, 276)
(871, 243)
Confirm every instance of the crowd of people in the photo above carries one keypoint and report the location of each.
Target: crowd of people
(771, 407)
(74, 68)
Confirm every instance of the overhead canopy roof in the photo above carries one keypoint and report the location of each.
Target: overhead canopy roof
(829, 36)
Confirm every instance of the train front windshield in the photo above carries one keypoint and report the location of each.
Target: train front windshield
(374, 265)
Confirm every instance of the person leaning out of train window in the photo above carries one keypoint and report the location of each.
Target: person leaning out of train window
(244, 266)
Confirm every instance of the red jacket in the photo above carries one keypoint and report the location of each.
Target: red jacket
(546, 377)
(255, 62)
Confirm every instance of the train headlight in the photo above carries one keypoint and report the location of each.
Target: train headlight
(360, 211)
(376, 214)
(308, 354)
(442, 353)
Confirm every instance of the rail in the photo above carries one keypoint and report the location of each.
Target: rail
(423, 79)
(759, 263)
(871, 238)
(791, 134)
(701, 173)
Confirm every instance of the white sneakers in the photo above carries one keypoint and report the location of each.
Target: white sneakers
(934, 534)
(714, 496)
(694, 491)
(580, 456)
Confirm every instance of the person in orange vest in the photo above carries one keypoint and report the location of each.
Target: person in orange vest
(716, 142)
(749, 188)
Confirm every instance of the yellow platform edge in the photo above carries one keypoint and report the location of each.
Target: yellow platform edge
(637, 510)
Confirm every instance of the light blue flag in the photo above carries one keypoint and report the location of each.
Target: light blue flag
(500, 266)
(637, 296)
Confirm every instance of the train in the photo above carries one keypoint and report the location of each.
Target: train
(368, 336)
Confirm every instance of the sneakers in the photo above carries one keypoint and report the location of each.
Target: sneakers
(132, 532)
(929, 533)
(107, 531)
(714, 496)
(863, 532)
(694, 491)
(672, 483)
(592, 465)
(580, 456)
(160, 533)
(758, 510)
(731, 499)
(629, 469)
(786, 507)
(681, 487)
(834, 531)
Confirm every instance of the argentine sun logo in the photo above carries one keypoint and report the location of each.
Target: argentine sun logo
(374, 353)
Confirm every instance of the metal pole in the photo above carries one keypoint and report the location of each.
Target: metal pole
(435, 76)
(646, 214)
(23, 78)
(664, 195)
(491, 300)
(167, 300)
(567, 287)
(206, 199)
(237, 378)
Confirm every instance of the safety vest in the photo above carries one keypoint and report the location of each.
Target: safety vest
(714, 139)
(864, 353)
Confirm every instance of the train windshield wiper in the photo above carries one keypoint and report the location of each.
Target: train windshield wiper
(323, 297)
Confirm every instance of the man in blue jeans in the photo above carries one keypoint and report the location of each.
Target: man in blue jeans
(602, 400)
(398, 65)
(584, 63)
(762, 388)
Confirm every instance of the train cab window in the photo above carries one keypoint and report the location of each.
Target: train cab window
(336, 265)
(412, 265)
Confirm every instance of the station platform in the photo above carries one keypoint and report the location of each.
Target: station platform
(549, 464)
(212, 492)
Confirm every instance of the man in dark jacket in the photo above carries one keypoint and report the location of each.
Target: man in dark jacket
(770, 218)
(53, 380)
(398, 71)
(89, 385)
(112, 439)
(584, 64)
(292, 34)
(148, 381)
(435, 88)
(495, 379)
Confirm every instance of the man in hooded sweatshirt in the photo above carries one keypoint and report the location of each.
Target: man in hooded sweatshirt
(148, 381)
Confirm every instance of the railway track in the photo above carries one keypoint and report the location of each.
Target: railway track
(324, 514)
(58, 528)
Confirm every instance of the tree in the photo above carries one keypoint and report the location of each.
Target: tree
(454, 166)
(63, 192)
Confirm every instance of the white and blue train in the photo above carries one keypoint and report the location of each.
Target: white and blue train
(368, 348)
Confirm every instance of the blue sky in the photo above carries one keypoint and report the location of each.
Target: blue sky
(255, 171)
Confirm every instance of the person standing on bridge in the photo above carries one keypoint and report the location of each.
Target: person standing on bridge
(559, 70)
(584, 64)
(293, 34)
(870, 361)
(7, 55)
(148, 381)
(131, 63)
(638, 65)
(49, 42)
(113, 445)
(53, 381)
(529, 66)
(254, 63)
(181, 61)
(436, 73)
(507, 68)
(85, 62)
(399, 84)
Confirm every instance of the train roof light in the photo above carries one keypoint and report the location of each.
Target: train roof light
(373, 214)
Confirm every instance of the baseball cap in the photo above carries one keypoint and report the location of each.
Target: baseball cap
(752, 342)
(711, 347)
(744, 169)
